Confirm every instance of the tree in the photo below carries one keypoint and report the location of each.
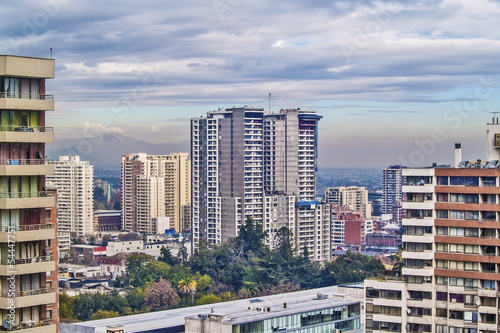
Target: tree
(183, 255)
(252, 237)
(187, 286)
(167, 257)
(136, 299)
(208, 299)
(65, 305)
(117, 205)
(249, 289)
(102, 314)
(142, 268)
(350, 267)
(161, 295)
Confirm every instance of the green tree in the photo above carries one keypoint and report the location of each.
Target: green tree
(103, 314)
(167, 257)
(208, 299)
(252, 237)
(249, 289)
(183, 255)
(136, 299)
(65, 305)
(350, 267)
(187, 286)
(142, 268)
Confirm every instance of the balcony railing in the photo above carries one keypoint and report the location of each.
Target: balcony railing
(15, 128)
(23, 293)
(42, 97)
(29, 227)
(24, 161)
(25, 324)
(21, 261)
(17, 195)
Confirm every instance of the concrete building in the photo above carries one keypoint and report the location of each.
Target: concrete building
(28, 269)
(107, 221)
(156, 192)
(249, 163)
(353, 196)
(314, 310)
(392, 182)
(73, 179)
(450, 281)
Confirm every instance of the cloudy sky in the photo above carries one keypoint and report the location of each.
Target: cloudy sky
(396, 81)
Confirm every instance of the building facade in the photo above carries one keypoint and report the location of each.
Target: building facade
(28, 269)
(392, 182)
(73, 179)
(450, 280)
(156, 192)
(353, 196)
(250, 163)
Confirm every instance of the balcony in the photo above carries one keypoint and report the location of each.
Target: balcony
(28, 298)
(31, 326)
(23, 101)
(27, 265)
(31, 232)
(10, 133)
(19, 200)
(25, 167)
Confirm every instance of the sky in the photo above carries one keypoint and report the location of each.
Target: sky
(397, 82)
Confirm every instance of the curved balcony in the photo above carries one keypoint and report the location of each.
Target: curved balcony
(10, 133)
(25, 167)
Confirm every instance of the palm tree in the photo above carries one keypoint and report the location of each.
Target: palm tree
(187, 286)
(249, 289)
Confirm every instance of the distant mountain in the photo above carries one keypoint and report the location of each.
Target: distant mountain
(105, 152)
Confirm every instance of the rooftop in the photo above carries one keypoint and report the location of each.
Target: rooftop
(297, 302)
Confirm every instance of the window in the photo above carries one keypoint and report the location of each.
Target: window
(441, 180)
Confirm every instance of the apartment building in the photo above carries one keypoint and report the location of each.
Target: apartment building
(353, 196)
(392, 182)
(73, 179)
(250, 163)
(156, 192)
(450, 280)
(28, 268)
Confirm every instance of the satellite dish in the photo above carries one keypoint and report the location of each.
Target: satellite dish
(6, 323)
(478, 303)
(408, 311)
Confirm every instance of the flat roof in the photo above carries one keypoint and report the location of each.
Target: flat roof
(297, 302)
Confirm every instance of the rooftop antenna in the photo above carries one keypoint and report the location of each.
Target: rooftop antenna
(494, 120)
(50, 53)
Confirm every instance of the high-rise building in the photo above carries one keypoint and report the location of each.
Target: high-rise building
(392, 182)
(249, 163)
(156, 192)
(28, 269)
(450, 279)
(353, 196)
(73, 179)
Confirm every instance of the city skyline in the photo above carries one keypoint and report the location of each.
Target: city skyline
(394, 82)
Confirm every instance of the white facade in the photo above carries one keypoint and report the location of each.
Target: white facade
(155, 187)
(353, 196)
(73, 179)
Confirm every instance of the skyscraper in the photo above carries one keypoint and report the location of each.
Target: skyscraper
(392, 182)
(353, 196)
(155, 192)
(450, 280)
(249, 163)
(73, 179)
(28, 268)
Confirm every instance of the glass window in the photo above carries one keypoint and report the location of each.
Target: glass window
(442, 180)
